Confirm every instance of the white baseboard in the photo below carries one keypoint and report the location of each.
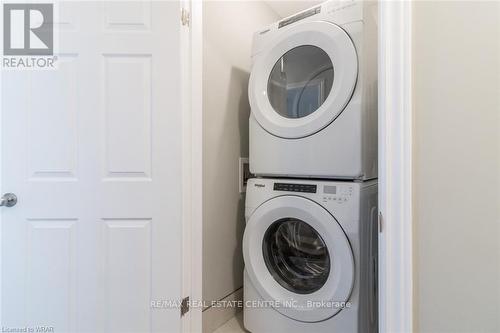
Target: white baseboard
(214, 317)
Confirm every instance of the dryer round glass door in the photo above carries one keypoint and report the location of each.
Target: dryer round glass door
(298, 258)
(300, 81)
(303, 80)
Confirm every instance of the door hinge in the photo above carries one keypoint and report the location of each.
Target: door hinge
(380, 221)
(185, 16)
(184, 306)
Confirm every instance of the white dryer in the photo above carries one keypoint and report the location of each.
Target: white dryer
(313, 94)
(310, 251)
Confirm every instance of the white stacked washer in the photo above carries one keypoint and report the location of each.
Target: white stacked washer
(313, 94)
(310, 246)
(310, 250)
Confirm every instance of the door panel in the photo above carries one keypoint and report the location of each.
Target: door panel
(128, 110)
(93, 152)
(127, 16)
(127, 262)
(53, 148)
(55, 239)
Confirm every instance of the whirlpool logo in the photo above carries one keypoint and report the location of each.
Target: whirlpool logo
(28, 36)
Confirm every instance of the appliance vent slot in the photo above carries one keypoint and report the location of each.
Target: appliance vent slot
(299, 16)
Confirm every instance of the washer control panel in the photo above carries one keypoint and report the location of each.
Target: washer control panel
(291, 187)
(337, 193)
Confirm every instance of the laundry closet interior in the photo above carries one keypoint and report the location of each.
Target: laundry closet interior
(289, 166)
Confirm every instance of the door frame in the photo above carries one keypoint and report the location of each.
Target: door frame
(1, 182)
(192, 247)
(395, 167)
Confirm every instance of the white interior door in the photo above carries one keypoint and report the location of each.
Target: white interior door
(93, 152)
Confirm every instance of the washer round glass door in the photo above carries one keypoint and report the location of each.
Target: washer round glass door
(303, 80)
(298, 258)
(296, 255)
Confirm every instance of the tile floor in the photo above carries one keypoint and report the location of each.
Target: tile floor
(233, 325)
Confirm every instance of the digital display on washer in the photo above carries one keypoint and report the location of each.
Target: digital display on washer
(299, 17)
(289, 187)
(328, 189)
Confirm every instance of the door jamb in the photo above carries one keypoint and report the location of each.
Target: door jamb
(395, 167)
(193, 227)
(1, 182)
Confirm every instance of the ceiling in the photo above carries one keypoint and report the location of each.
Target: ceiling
(289, 7)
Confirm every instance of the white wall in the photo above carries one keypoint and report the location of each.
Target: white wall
(457, 169)
(227, 36)
(286, 8)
